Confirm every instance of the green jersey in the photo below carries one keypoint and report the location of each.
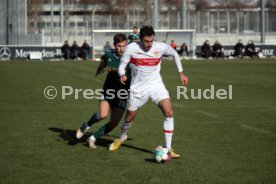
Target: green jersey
(133, 37)
(112, 60)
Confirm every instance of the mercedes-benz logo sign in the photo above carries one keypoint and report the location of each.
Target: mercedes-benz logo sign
(5, 53)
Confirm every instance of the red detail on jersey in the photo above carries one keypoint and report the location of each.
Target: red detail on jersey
(168, 131)
(156, 53)
(145, 61)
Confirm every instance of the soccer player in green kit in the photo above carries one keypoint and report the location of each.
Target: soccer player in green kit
(134, 36)
(111, 61)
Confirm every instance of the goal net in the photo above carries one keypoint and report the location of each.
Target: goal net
(100, 37)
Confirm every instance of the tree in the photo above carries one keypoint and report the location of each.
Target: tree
(34, 12)
(271, 4)
(146, 5)
(201, 5)
(233, 4)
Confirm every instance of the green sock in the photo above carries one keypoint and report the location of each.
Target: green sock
(103, 130)
(100, 132)
(93, 119)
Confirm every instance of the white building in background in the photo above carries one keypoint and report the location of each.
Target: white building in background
(13, 21)
(80, 19)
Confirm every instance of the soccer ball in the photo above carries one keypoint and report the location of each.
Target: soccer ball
(161, 154)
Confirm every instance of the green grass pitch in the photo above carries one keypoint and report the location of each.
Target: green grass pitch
(220, 141)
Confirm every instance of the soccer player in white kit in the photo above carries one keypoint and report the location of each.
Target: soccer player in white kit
(144, 57)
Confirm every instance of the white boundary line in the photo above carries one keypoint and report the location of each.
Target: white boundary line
(178, 105)
(207, 114)
(248, 127)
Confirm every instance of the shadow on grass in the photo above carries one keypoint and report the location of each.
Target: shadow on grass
(70, 137)
(151, 160)
(137, 148)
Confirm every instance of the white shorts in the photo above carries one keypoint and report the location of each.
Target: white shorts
(156, 93)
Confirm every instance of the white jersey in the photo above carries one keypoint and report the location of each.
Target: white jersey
(145, 66)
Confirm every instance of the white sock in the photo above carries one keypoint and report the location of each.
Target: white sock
(124, 129)
(168, 131)
(92, 138)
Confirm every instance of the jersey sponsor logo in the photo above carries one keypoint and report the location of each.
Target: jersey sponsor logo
(145, 61)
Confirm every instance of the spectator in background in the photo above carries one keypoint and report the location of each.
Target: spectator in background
(250, 49)
(107, 46)
(65, 49)
(218, 50)
(75, 50)
(173, 45)
(238, 49)
(85, 48)
(206, 50)
(183, 50)
(134, 36)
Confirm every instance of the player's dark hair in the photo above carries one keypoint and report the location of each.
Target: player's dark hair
(119, 37)
(135, 27)
(146, 31)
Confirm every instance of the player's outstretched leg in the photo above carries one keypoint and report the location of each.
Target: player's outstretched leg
(168, 125)
(115, 117)
(102, 114)
(168, 131)
(86, 126)
(82, 130)
(118, 142)
(105, 129)
(130, 116)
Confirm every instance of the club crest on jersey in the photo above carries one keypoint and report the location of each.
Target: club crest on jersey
(156, 53)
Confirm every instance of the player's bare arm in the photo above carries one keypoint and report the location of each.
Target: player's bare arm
(101, 67)
(184, 79)
(123, 79)
(122, 71)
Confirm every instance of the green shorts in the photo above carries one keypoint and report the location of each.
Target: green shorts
(114, 100)
(112, 83)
